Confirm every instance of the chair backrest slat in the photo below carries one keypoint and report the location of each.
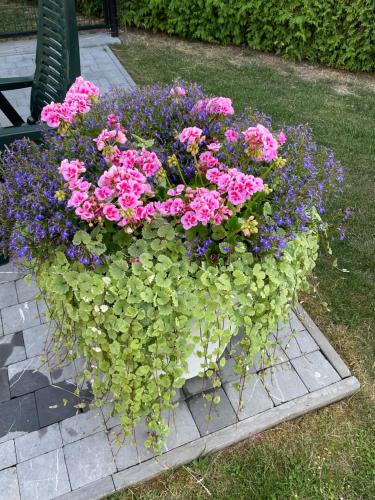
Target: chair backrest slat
(57, 56)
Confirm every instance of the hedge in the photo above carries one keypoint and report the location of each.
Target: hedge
(338, 33)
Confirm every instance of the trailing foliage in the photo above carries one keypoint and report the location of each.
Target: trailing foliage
(134, 320)
(339, 33)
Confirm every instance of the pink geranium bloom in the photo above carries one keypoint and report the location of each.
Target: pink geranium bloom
(77, 198)
(85, 211)
(281, 138)
(214, 146)
(51, 114)
(207, 161)
(180, 91)
(71, 170)
(83, 87)
(192, 135)
(149, 162)
(220, 106)
(128, 200)
(103, 193)
(111, 212)
(261, 142)
(189, 220)
(231, 135)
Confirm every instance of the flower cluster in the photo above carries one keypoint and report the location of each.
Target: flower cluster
(122, 192)
(200, 205)
(215, 106)
(79, 99)
(260, 143)
(238, 186)
(168, 152)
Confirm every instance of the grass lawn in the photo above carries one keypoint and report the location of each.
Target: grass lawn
(329, 454)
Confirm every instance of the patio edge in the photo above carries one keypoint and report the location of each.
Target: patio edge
(235, 433)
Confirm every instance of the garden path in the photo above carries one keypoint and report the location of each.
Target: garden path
(52, 446)
(98, 64)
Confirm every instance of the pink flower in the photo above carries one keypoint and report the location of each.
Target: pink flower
(193, 135)
(51, 114)
(214, 146)
(83, 186)
(77, 198)
(189, 220)
(231, 135)
(112, 120)
(111, 212)
(220, 106)
(149, 162)
(128, 200)
(70, 170)
(103, 193)
(180, 91)
(213, 175)
(261, 143)
(207, 161)
(109, 138)
(83, 87)
(178, 190)
(85, 211)
(281, 138)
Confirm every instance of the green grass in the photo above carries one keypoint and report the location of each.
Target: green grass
(329, 454)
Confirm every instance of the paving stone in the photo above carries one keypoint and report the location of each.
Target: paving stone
(94, 491)
(226, 373)
(130, 450)
(182, 426)
(28, 376)
(196, 385)
(283, 383)
(50, 403)
(43, 477)
(20, 317)
(82, 425)
(7, 455)
(292, 324)
(26, 291)
(89, 459)
(254, 397)
(298, 344)
(221, 414)
(64, 371)
(38, 442)
(9, 485)
(43, 310)
(9, 272)
(269, 356)
(315, 371)
(37, 340)
(4, 385)
(12, 349)
(18, 416)
(8, 295)
(109, 419)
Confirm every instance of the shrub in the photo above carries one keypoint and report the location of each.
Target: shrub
(337, 33)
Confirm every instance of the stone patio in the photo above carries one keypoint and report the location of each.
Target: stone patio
(98, 64)
(51, 447)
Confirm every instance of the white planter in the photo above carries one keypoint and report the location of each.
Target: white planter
(195, 362)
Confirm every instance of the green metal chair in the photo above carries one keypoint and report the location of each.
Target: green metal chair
(57, 66)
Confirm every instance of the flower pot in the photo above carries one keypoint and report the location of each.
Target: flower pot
(214, 350)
